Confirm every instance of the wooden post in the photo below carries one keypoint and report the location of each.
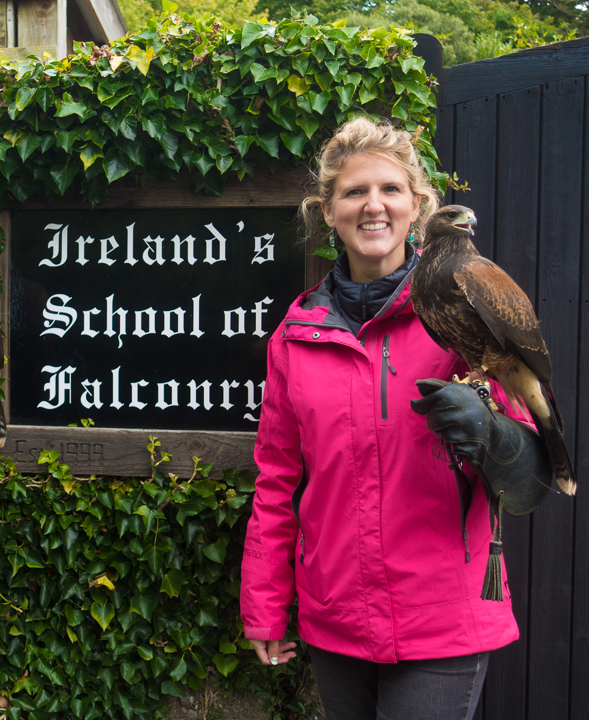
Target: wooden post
(37, 23)
(10, 24)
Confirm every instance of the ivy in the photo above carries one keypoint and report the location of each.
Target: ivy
(117, 593)
(202, 96)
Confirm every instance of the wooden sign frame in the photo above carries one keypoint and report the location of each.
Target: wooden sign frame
(122, 452)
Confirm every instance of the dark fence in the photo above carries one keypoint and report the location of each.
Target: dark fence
(516, 128)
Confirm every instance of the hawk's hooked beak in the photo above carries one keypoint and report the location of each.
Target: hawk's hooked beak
(470, 225)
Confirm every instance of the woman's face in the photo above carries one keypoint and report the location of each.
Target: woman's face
(372, 209)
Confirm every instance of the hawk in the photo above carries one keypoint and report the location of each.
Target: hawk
(470, 305)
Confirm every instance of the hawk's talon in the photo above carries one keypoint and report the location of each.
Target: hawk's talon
(482, 387)
(465, 380)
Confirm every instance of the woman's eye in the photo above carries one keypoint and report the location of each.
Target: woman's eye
(392, 188)
(356, 191)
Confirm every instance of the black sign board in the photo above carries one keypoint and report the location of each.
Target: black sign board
(147, 318)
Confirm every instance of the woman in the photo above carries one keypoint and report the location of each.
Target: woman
(353, 511)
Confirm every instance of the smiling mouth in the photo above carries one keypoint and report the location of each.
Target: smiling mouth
(374, 226)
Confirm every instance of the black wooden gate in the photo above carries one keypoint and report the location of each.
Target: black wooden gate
(516, 128)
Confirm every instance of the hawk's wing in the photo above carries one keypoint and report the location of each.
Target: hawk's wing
(507, 312)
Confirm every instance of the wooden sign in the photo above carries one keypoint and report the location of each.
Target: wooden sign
(148, 321)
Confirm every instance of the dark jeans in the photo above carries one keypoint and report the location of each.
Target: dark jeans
(445, 689)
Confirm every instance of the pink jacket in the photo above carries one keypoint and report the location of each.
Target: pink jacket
(378, 559)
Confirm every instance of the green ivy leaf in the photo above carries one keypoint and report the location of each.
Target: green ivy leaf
(24, 96)
(144, 604)
(242, 143)
(226, 647)
(251, 32)
(69, 107)
(216, 551)
(294, 143)
(169, 143)
(127, 670)
(103, 614)
(175, 689)
(309, 124)
(63, 176)
(178, 669)
(116, 164)
(45, 98)
(74, 617)
(106, 675)
(158, 666)
(269, 143)
(145, 653)
(89, 155)
(225, 664)
(172, 582)
(297, 85)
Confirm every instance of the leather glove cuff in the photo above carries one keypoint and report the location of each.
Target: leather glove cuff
(508, 455)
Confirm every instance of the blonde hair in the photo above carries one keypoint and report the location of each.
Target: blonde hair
(364, 136)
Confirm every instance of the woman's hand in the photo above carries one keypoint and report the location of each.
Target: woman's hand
(273, 652)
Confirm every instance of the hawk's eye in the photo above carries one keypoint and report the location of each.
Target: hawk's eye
(451, 215)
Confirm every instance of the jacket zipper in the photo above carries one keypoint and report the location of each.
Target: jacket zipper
(386, 365)
(296, 500)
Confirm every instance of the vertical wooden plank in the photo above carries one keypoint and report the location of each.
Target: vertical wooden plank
(3, 18)
(560, 228)
(518, 145)
(476, 126)
(580, 635)
(62, 28)
(10, 24)
(5, 307)
(444, 144)
(37, 23)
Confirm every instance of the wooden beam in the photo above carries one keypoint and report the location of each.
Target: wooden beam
(516, 71)
(10, 24)
(61, 28)
(20, 53)
(37, 23)
(104, 19)
(283, 189)
(88, 451)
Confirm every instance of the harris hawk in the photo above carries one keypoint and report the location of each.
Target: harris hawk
(467, 303)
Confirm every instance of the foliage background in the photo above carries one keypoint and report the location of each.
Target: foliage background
(116, 593)
(468, 29)
(201, 96)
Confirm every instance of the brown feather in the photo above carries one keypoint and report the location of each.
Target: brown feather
(471, 305)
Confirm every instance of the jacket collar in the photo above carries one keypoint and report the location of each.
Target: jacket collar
(317, 306)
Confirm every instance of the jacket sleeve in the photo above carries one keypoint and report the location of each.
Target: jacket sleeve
(267, 575)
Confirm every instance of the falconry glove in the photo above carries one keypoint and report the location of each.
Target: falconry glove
(509, 457)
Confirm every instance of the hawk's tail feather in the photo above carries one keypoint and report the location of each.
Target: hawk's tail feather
(558, 454)
(522, 386)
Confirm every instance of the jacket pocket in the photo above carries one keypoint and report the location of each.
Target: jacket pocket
(385, 367)
(296, 500)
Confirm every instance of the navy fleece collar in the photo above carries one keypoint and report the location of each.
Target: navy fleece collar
(359, 302)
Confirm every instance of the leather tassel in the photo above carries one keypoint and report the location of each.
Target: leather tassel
(493, 583)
